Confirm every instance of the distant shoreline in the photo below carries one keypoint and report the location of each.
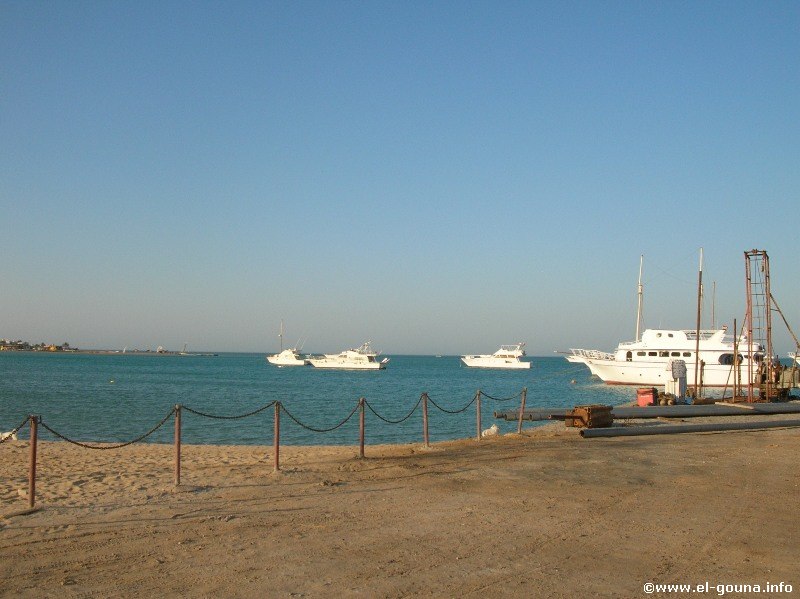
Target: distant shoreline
(111, 352)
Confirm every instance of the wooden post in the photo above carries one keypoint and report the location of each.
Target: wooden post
(361, 428)
(34, 420)
(522, 410)
(425, 420)
(276, 437)
(177, 444)
(478, 412)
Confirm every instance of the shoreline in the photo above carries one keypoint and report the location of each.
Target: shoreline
(544, 513)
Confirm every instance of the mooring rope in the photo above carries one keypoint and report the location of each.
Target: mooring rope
(117, 446)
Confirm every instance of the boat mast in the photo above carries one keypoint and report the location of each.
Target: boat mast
(639, 306)
(697, 341)
(714, 306)
(280, 335)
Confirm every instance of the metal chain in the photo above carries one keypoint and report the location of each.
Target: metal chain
(501, 398)
(319, 430)
(386, 420)
(253, 413)
(14, 432)
(118, 446)
(456, 411)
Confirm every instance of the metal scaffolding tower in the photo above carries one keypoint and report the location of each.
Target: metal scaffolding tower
(758, 324)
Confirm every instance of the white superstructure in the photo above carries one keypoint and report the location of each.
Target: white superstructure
(644, 362)
(508, 356)
(359, 358)
(795, 356)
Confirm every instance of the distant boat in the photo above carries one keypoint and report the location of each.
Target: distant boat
(360, 358)
(508, 356)
(795, 356)
(286, 357)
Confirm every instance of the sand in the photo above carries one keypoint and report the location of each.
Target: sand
(542, 514)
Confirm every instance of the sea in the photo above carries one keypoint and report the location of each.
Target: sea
(116, 398)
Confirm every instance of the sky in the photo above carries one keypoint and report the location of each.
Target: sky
(438, 177)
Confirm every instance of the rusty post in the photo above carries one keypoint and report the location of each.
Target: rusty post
(478, 413)
(425, 420)
(361, 428)
(522, 410)
(34, 420)
(177, 444)
(276, 437)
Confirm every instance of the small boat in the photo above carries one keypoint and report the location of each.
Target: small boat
(359, 358)
(508, 356)
(287, 357)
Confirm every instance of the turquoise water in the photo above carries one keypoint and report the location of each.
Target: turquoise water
(116, 398)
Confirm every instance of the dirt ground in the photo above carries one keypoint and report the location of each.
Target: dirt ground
(544, 514)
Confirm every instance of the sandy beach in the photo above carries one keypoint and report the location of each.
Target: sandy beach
(544, 514)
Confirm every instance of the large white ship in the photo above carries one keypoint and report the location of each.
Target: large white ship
(645, 362)
(508, 356)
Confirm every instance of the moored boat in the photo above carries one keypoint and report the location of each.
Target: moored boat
(508, 356)
(645, 362)
(359, 358)
(287, 357)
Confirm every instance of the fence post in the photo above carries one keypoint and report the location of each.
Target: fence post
(361, 428)
(276, 438)
(522, 409)
(34, 420)
(478, 413)
(425, 420)
(177, 444)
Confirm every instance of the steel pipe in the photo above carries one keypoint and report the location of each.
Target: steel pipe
(671, 429)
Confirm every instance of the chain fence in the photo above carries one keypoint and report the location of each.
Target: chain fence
(44, 425)
(12, 434)
(362, 405)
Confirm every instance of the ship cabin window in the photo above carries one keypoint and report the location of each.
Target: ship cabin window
(676, 354)
(669, 335)
(629, 356)
(726, 359)
(664, 354)
(658, 335)
(652, 353)
(641, 353)
(687, 354)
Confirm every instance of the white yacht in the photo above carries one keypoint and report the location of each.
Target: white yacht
(795, 356)
(645, 362)
(287, 357)
(359, 358)
(508, 356)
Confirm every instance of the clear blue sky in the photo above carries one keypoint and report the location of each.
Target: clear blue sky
(439, 177)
